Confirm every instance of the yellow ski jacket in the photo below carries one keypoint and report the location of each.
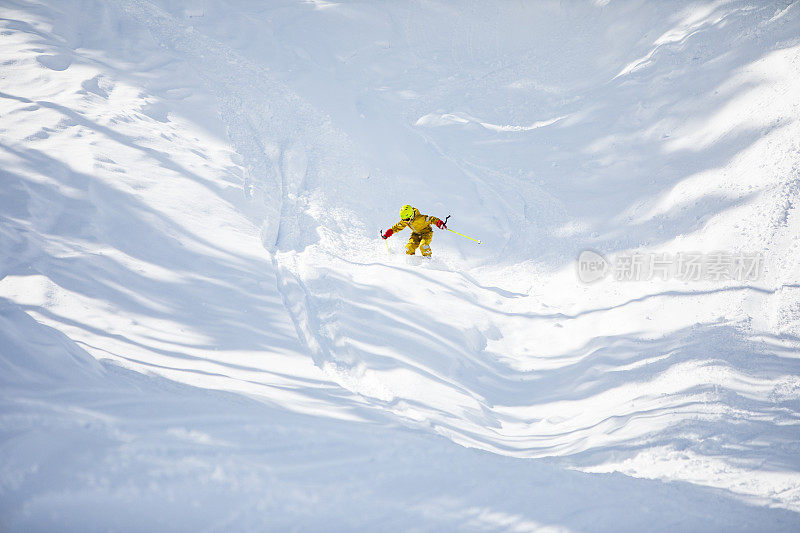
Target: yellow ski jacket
(419, 223)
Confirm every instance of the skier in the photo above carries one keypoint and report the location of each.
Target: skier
(421, 229)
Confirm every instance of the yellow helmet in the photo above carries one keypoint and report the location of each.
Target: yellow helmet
(406, 212)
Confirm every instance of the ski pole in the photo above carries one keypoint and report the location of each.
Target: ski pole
(380, 232)
(470, 238)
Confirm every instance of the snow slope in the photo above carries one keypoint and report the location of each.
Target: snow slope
(201, 329)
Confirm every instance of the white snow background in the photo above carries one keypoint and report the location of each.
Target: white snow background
(201, 330)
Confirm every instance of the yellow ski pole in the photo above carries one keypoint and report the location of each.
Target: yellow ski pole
(470, 238)
(457, 233)
(384, 242)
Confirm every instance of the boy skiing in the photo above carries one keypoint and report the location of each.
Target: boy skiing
(421, 229)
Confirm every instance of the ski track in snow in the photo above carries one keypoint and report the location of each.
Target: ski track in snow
(497, 348)
(433, 120)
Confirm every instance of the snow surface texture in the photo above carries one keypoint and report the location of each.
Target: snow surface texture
(201, 330)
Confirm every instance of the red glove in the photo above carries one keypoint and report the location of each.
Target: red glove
(440, 224)
(388, 233)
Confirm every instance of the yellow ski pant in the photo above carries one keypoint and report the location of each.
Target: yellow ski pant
(421, 240)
